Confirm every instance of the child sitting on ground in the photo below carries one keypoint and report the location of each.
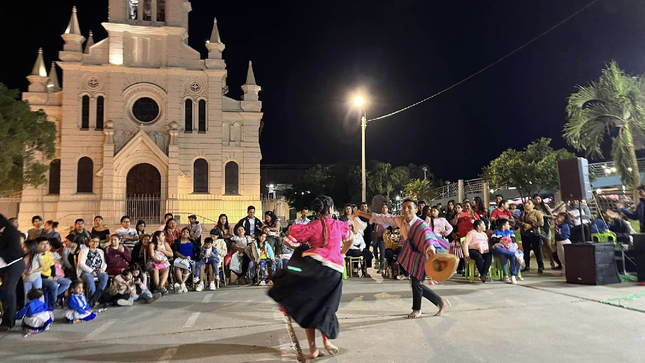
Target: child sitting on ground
(79, 310)
(506, 249)
(36, 316)
(140, 281)
(207, 256)
(263, 255)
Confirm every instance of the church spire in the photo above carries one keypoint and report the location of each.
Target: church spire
(52, 83)
(215, 48)
(90, 42)
(215, 33)
(73, 27)
(73, 48)
(39, 67)
(250, 77)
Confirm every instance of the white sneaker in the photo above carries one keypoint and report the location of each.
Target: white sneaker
(513, 280)
(200, 287)
(262, 283)
(196, 280)
(355, 270)
(124, 302)
(177, 288)
(184, 288)
(211, 287)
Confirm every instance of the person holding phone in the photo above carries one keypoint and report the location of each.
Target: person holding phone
(117, 256)
(129, 236)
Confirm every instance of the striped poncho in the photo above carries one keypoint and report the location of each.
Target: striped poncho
(413, 255)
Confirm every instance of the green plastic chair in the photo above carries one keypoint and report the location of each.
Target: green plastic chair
(499, 271)
(470, 271)
(603, 237)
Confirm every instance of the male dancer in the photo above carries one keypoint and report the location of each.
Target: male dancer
(417, 240)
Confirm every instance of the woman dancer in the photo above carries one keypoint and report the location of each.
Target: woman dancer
(417, 240)
(309, 290)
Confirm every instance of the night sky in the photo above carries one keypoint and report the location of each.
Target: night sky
(311, 58)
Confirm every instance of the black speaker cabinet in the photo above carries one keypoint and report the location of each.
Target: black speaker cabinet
(590, 264)
(573, 175)
(639, 254)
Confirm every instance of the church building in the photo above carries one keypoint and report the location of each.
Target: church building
(144, 126)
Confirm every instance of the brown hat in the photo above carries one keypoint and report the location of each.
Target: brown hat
(441, 266)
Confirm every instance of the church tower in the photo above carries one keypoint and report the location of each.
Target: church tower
(144, 125)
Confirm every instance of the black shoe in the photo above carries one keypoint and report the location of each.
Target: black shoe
(540, 271)
(526, 269)
(559, 267)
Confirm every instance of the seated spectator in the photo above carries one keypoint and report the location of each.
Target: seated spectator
(159, 251)
(69, 256)
(476, 247)
(506, 249)
(52, 284)
(122, 291)
(79, 235)
(129, 236)
(117, 256)
(49, 231)
(172, 231)
(35, 232)
(275, 242)
(515, 211)
(36, 316)
(619, 226)
(103, 233)
(287, 250)
(263, 255)
(224, 227)
(140, 250)
(33, 266)
(184, 251)
(358, 249)
(221, 246)
(243, 243)
(166, 218)
(79, 309)
(91, 264)
(598, 225)
(140, 280)
(208, 256)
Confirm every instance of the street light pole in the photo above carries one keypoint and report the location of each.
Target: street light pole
(363, 177)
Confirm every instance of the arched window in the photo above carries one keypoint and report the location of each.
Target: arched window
(147, 10)
(188, 116)
(85, 175)
(200, 176)
(54, 177)
(100, 107)
(231, 182)
(202, 116)
(85, 113)
(161, 10)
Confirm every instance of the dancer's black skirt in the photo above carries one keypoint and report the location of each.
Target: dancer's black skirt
(310, 296)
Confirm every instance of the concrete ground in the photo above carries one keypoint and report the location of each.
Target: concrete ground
(541, 320)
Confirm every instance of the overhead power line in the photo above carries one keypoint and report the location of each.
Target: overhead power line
(488, 66)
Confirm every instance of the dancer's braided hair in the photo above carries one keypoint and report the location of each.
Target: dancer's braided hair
(321, 206)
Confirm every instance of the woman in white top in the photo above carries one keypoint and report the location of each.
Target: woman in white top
(476, 247)
(440, 226)
(91, 264)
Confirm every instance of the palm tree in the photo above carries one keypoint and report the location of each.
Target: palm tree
(613, 106)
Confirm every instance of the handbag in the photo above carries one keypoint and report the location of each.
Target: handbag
(182, 263)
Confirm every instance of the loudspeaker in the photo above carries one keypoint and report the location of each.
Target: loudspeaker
(639, 254)
(591, 264)
(573, 175)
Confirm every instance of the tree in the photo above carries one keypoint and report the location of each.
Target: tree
(379, 179)
(400, 178)
(23, 133)
(312, 184)
(614, 107)
(419, 189)
(530, 170)
(341, 181)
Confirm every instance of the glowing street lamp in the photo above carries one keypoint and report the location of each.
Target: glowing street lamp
(359, 101)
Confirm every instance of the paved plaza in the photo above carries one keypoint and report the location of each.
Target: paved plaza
(541, 320)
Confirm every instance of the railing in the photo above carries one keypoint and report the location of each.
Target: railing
(148, 208)
(608, 168)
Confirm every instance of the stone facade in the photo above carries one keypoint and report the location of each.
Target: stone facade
(152, 117)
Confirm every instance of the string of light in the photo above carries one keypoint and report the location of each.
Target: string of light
(488, 66)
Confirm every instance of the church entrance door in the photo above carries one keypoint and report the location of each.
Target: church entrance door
(143, 194)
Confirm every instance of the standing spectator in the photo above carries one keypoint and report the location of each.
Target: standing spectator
(129, 236)
(367, 233)
(224, 227)
(464, 219)
(450, 210)
(562, 234)
(141, 228)
(379, 243)
(79, 235)
(49, 231)
(498, 198)
(501, 212)
(639, 213)
(530, 223)
(91, 264)
(31, 276)
(14, 222)
(195, 229)
(481, 211)
(98, 230)
(172, 231)
(250, 223)
(546, 229)
(516, 212)
(303, 216)
(117, 256)
(35, 232)
(348, 211)
(476, 247)
(52, 284)
(12, 254)
(422, 205)
(439, 226)
(166, 218)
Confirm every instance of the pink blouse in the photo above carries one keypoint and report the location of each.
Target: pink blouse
(441, 226)
(329, 255)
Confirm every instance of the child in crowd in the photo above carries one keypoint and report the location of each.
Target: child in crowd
(220, 245)
(207, 256)
(562, 235)
(36, 316)
(506, 249)
(287, 251)
(70, 251)
(79, 310)
(356, 249)
(33, 266)
(263, 255)
(243, 244)
(598, 225)
(140, 281)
